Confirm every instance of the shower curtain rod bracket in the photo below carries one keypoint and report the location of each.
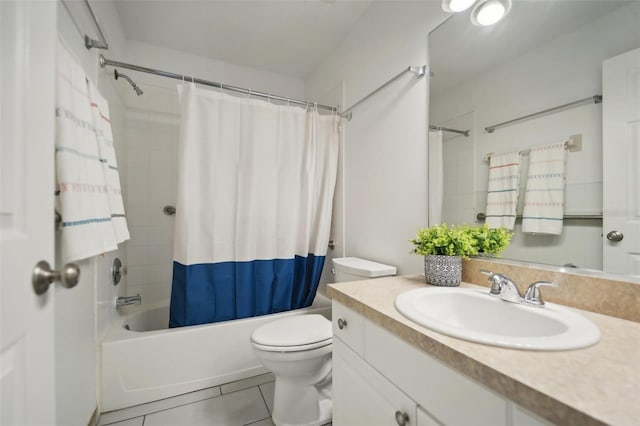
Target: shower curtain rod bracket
(90, 43)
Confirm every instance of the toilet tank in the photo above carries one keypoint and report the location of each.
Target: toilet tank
(354, 268)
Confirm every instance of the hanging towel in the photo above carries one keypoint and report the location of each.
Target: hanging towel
(502, 195)
(102, 123)
(82, 198)
(544, 196)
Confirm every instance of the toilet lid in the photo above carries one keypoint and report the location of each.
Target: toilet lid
(297, 332)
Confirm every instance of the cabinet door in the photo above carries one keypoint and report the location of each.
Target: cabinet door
(424, 419)
(448, 395)
(361, 396)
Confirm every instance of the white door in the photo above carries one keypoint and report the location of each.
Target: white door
(621, 163)
(27, 54)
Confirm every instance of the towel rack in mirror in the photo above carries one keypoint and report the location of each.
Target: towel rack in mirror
(481, 217)
(573, 144)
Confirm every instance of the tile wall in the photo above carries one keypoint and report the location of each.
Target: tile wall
(152, 143)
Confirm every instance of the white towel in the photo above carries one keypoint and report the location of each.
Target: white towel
(502, 195)
(82, 198)
(102, 122)
(544, 196)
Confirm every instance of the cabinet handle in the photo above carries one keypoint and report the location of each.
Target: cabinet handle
(402, 418)
(342, 323)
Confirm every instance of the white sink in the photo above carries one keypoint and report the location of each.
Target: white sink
(473, 314)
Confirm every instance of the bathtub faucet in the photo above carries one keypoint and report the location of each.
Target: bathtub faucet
(128, 300)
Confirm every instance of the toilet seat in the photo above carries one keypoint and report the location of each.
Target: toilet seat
(293, 334)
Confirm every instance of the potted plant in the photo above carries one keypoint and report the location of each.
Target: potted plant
(490, 241)
(444, 246)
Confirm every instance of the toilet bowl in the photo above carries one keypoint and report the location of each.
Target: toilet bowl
(297, 350)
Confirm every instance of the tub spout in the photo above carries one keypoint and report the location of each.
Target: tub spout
(128, 300)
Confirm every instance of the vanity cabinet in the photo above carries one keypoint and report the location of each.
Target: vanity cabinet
(379, 379)
(362, 396)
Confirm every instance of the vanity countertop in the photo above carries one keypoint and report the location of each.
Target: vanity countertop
(590, 386)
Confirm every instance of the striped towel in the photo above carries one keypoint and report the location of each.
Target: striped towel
(544, 196)
(102, 122)
(82, 193)
(502, 195)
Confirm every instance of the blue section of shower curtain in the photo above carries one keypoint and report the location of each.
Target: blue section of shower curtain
(213, 292)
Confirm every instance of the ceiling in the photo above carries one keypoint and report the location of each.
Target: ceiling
(285, 37)
(459, 50)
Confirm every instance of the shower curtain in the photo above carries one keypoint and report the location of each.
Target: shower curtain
(255, 192)
(436, 177)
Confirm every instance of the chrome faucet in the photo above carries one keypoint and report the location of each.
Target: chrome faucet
(504, 288)
(128, 300)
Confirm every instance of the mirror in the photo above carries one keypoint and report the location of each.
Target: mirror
(542, 55)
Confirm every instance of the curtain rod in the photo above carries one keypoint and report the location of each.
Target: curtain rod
(88, 41)
(446, 129)
(591, 99)
(104, 62)
(419, 71)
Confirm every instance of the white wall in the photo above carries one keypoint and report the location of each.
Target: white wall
(384, 189)
(152, 128)
(560, 71)
(82, 313)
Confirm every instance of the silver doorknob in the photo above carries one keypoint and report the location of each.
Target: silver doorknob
(43, 276)
(615, 236)
(402, 418)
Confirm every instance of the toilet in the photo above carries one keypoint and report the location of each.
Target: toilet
(297, 349)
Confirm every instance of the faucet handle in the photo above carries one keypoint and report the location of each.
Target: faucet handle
(533, 296)
(497, 281)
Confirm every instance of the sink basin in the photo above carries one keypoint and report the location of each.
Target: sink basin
(474, 315)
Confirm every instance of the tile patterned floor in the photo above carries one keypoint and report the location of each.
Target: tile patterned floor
(242, 403)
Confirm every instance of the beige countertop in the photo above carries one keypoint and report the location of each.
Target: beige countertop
(591, 386)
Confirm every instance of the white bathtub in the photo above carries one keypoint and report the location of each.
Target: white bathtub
(150, 362)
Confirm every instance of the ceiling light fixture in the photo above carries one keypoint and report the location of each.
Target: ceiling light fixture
(456, 6)
(488, 12)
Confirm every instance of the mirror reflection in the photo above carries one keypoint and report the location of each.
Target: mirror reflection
(535, 64)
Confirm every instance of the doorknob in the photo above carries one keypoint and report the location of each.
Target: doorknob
(43, 276)
(615, 236)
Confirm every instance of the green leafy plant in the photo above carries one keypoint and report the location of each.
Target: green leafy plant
(491, 240)
(461, 240)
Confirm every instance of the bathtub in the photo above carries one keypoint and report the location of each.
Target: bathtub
(143, 361)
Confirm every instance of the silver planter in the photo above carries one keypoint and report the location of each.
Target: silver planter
(443, 270)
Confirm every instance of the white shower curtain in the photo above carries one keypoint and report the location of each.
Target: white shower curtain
(436, 178)
(255, 193)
